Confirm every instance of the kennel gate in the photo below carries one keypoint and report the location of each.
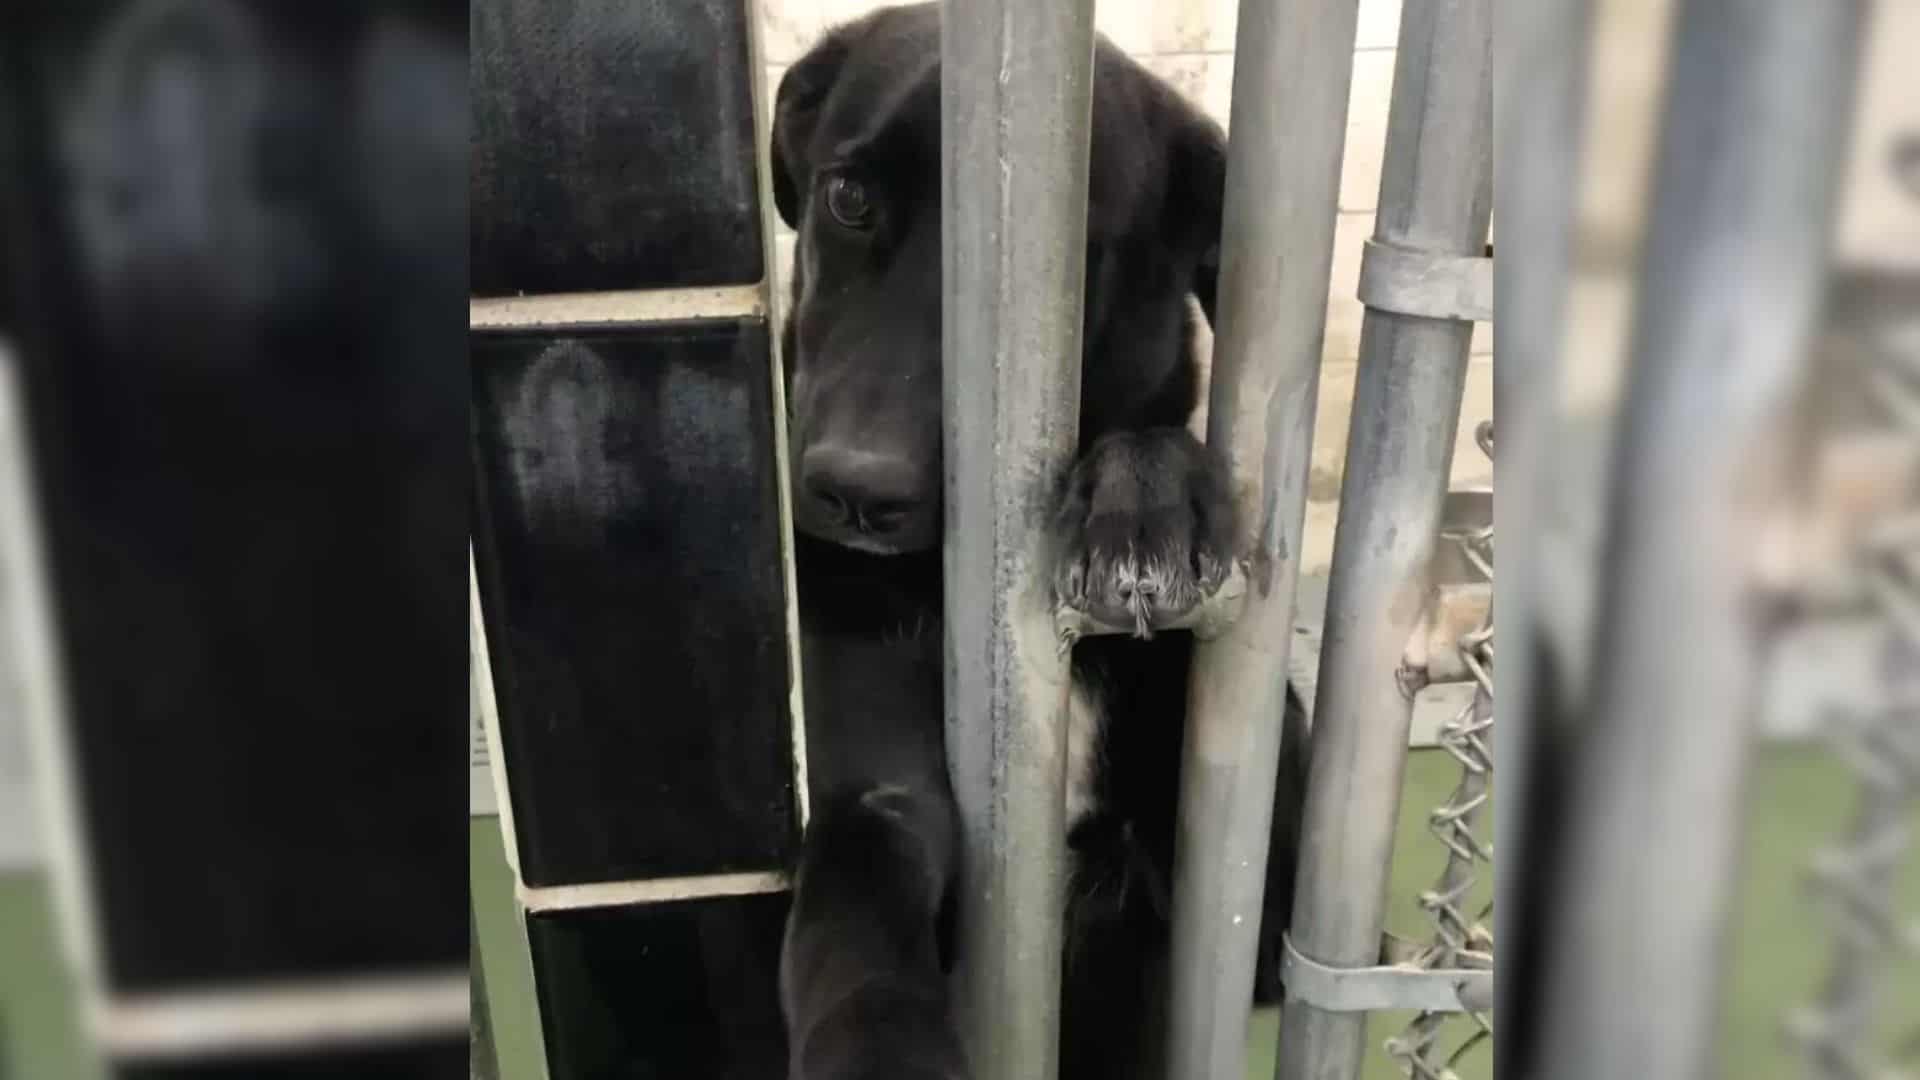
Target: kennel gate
(1019, 90)
(1015, 75)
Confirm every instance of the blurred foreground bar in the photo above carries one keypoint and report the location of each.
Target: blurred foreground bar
(237, 567)
(1633, 873)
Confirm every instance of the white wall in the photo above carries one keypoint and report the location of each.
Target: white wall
(1190, 44)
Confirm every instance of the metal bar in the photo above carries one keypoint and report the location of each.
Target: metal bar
(1540, 91)
(1292, 69)
(661, 890)
(777, 361)
(238, 1020)
(618, 308)
(1734, 268)
(1435, 195)
(1016, 99)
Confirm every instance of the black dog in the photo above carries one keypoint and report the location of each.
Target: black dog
(1145, 523)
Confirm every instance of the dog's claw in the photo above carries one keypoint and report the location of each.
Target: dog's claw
(1216, 609)
(1066, 621)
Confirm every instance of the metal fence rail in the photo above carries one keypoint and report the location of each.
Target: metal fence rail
(1292, 70)
(1015, 87)
(1427, 281)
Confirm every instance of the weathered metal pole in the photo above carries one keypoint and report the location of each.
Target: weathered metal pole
(1421, 281)
(1731, 285)
(1016, 93)
(1293, 64)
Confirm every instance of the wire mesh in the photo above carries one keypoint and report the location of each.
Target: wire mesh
(1856, 876)
(1462, 938)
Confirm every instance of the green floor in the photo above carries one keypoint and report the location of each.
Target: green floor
(39, 1031)
(1800, 798)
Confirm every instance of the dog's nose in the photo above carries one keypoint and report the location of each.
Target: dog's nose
(873, 492)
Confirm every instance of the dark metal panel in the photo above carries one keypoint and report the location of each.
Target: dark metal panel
(663, 991)
(613, 146)
(628, 548)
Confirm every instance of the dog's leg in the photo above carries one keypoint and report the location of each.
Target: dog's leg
(861, 981)
(1115, 958)
(1145, 527)
(1283, 851)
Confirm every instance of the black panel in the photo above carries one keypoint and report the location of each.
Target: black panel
(613, 145)
(630, 568)
(8, 257)
(664, 991)
(248, 401)
(444, 1059)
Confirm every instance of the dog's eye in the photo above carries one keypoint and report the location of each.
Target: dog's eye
(848, 202)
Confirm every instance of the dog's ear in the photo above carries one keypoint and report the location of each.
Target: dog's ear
(796, 109)
(1196, 188)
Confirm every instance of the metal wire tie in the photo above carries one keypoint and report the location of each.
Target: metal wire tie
(1395, 986)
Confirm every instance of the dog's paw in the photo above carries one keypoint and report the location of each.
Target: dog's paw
(1145, 529)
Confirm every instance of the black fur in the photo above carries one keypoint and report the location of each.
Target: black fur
(1145, 523)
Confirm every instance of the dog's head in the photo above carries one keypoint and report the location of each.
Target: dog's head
(856, 173)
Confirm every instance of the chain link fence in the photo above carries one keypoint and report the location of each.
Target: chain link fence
(1462, 937)
(1855, 878)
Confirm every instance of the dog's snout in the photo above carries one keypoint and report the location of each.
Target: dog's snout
(874, 493)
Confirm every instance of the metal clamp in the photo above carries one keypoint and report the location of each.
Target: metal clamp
(1425, 283)
(1207, 619)
(1372, 989)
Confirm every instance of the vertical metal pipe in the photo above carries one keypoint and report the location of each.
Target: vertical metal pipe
(1293, 66)
(1435, 192)
(1539, 106)
(1016, 94)
(1756, 126)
